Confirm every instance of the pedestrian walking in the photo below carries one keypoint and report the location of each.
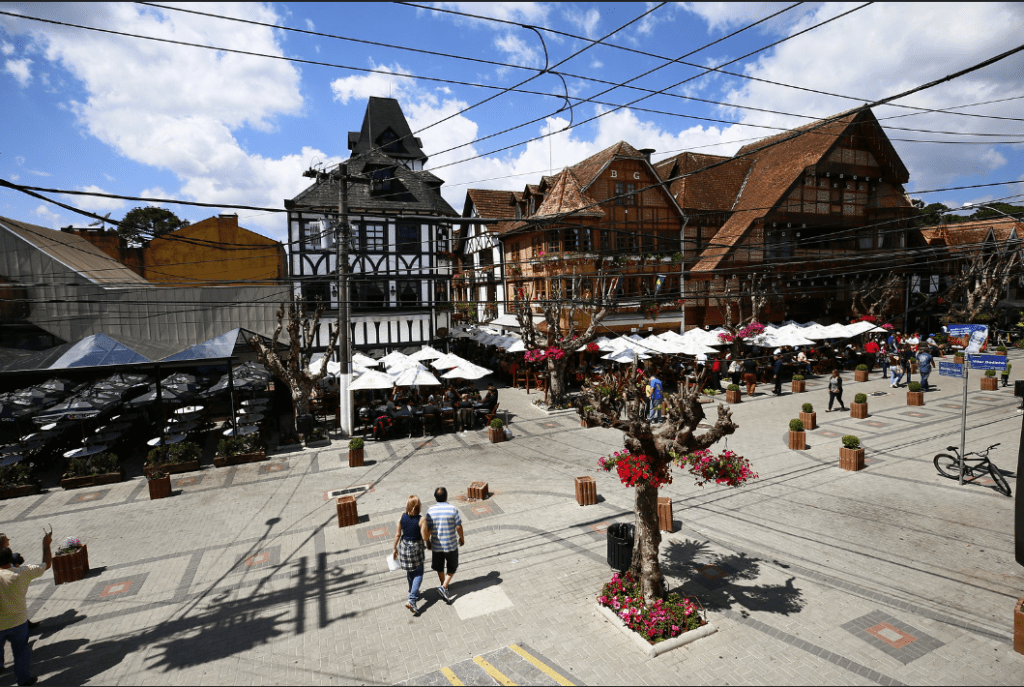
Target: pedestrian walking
(655, 392)
(906, 361)
(778, 375)
(835, 390)
(895, 369)
(442, 530)
(408, 549)
(750, 375)
(735, 369)
(924, 366)
(14, 608)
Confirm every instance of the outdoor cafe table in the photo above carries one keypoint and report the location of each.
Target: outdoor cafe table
(169, 439)
(85, 451)
(241, 431)
(251, 419)
(181, 427)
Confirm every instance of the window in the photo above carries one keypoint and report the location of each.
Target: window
(408, 294)
(368, 295)
(625, 194)
(389, 143)
(569, 242)
(380, 180)
(316, 292)
(533, 205)
(606, 240)
(553, 246)
(373, 237)
(621, 241)
(408, 238)
(314, 233)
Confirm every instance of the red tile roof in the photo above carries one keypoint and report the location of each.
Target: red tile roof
(967, 236)
(588, 170)
(714, 189)
(566, 196)
(492, 204)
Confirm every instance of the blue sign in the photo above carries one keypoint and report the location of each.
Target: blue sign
(988, 362)
(964, 329)
(951, 370)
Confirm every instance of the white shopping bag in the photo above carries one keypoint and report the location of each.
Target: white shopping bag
(392, 563)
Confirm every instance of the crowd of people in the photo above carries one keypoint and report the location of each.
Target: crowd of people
(409, 411)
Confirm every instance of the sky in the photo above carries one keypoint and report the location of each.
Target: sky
(102, 112)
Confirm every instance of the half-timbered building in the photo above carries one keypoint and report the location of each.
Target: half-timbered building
(399, 253)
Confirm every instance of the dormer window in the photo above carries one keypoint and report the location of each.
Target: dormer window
(533, 205)
(380, 180)
(389, 143)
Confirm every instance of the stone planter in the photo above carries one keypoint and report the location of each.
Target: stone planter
(71, 567)
(159, 488)
(496, 434)
(22, 490)
(586, 491)
(810, 420)
(172, 468)
(860, 375)
(355, 457)
(851, 458)
(1018, 627)
(665, 514)
(653, 650)
(799, 386)
(733, 396)
(859, 411)
(989, 383)
(915, 398)
(797, 441)
(239, 459)
(92, 480)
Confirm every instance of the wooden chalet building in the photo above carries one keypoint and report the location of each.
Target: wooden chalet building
(400, 271)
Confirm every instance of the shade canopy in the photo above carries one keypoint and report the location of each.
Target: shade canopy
(448, 361)
(426, 353)
(466, 370)
(415, 376)
(372, 379)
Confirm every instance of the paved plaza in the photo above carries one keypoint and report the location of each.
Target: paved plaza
(812, 574)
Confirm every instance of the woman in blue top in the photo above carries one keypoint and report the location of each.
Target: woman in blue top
(408, 549)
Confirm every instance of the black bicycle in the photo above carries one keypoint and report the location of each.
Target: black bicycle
(974, 468)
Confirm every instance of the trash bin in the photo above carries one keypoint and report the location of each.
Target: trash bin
(620, 545)
(304, 425)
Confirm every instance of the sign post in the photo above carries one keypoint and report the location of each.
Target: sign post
(974, 336)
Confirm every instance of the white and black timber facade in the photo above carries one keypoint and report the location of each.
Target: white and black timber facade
(399, 256)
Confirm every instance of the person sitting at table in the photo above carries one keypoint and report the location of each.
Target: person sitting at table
(450, 397)
(802, 361)
(467, 415)
(431, 412)
(491, 399)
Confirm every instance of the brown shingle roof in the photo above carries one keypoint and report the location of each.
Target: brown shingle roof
(492, 204)
(588, 170)
(566, 196)
(968, 236)
(714, 189)
(772, 172)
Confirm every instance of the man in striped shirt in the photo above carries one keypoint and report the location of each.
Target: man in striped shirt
(444, 536)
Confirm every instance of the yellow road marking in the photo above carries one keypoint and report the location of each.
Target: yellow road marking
(451, 677)
(541, 666)
(498, 676)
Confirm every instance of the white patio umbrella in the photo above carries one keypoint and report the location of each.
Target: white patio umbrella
(625, 356)
(415, 376)
(394, 358)
(466, 370)
(448, 361)
(372, 379)
(837, 331)
(862, 327)
(364, 361)
(426, 353)
(517, 347)
(815, 331)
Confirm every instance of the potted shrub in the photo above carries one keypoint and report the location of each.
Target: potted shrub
(859, 407)
(799, 385)
(318, 438)
(17, 480)
(70, 561)
(1000, 350)
(173, 459)
(495, 432)
(851, 455)
(797, 436)
(239, 450)
(102, 468)
(733, 394)
(355, 452)
(989, 381)
(159, 484)
(958, 358)
(915, 397)
(861, 373)
(808, 416)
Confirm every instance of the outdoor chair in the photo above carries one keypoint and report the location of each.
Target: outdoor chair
(448, 420)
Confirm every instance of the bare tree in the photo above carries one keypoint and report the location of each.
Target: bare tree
(981, 284)
(292, 368)
(878, 297)
(618, 401)
(562, 312)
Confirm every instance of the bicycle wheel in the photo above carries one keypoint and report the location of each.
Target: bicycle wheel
(947, 465)
(1001, 483)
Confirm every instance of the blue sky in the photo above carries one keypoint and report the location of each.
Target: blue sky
(93, 111)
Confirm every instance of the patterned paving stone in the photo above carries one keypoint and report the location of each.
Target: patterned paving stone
(480, 509)
(896, 638)
(106, 590)
(88, 496)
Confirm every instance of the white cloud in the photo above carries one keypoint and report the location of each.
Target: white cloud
(362, 86)
(584, 21)
(518, 51)
(722, 16)
(519, 12)
(6, 48)
(596, 64)
(48, 216)
(19, 70)
(108, 177)
(646, 26)
(93, 203)
(310, 25)
(38, 173)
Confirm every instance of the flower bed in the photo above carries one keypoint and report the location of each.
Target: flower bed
(173, 459)
(663, 623)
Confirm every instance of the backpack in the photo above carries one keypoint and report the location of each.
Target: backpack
(381, 427)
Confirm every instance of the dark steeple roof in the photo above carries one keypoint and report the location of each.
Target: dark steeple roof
(384, 127)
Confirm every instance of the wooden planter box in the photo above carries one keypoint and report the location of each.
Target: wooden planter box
(240, 459)
(92, 480)
(799, 386)
(733, 396)
(958, 359)
(915, 398)
(586, 491)
(159, 488)
(797, 441)
(665, 514)
(1002, 353)
(859, 411)
(989, 383)
(860, 375)
(478, 490)
(1018, 627)
(15, 492)
(71, 567)
(496, 434)
(355, 457)
(810, 420)
(348, 514)
(172, 468)
(851, 458)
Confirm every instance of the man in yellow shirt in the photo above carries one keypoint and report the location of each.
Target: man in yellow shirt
(14, 610)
